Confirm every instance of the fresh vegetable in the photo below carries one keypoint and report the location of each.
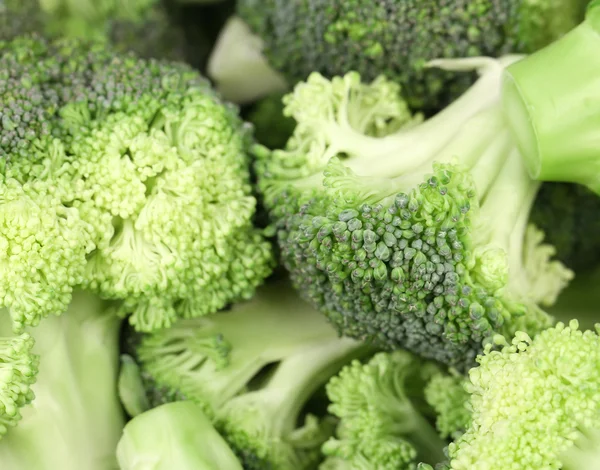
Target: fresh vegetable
(175, 435)
(410, 234)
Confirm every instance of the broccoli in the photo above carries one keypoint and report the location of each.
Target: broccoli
(174, 436)
(555, 120)
(407, 234)
(147, 27)
(393, 37)
(384, 420)
(564, 210)
(110, 166)
(18, 373)
(74, 420)
(253, 370)
(447, 395)
(535, 404)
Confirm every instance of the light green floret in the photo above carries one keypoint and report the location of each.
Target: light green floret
(406, 233)
(18, 372)
(384, 420)
(446, 394)
(535, 404)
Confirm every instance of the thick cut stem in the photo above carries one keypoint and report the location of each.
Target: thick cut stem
(552, 103)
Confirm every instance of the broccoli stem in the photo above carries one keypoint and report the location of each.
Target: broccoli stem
(551, 100)
(75, 420)
(585, 453)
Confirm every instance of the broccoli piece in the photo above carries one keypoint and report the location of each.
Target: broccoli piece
(110, 166)
(18, 373)
(174, 435)
(148, 27)
(555, 121)
(406, 234)
(75, 419)
(237, 66)
(253, 369)
(564, 210)
(447, 395)
(395, 38)
(384, 420)
(532, 401)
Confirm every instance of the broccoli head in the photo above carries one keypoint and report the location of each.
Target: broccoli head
(407, 234)
(148, 27)
(535, 404)
(384, 420)
(398, 37)
(253, 370)
(125, 177)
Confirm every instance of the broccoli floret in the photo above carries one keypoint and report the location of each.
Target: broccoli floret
(384, 420)
(253, 369)
(410, 235)
(532, 401)
(148, 27)
(565, 211)
(174, 436)
(18, 372)
(397, 37)
(447, 395)
(555, 120)
(125, 177)
(74, 420)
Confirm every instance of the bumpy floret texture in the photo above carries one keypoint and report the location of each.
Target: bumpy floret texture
(128, 153)
(530, 399)
(400, 255)
(447, 395)
(380, 406)
(18, 371)
(397, 37)
(146, 27)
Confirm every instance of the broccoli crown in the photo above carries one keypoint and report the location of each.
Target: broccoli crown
(563, 210)
(117, 158)
(146, 27)
(531, 401)
(252, 382)
(18, 372)
(447, 395)
(397, 37)
(384, 420)
(404, 234)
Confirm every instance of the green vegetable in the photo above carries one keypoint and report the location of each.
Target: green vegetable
(407, 234)
(111, 163)
(148, 27)
(253, 370)
(551, 102)
(74, 419)
(174, 436)
(533, 403)
(384, 421)
(395, 38)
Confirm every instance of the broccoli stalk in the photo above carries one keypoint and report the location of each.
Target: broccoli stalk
(236, 64)
(75, 419)
(262, 424)
(175, 435)
(252, 369)
(410, 235)
(551, 102)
